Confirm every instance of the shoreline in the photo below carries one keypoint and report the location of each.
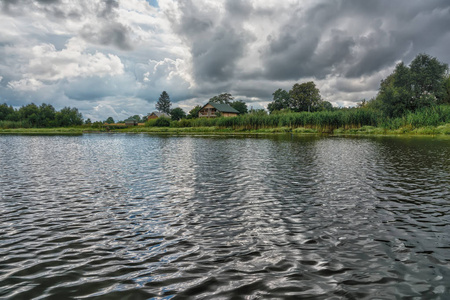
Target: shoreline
(443, 130)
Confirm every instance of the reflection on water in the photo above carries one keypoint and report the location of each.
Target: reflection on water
(137, 216)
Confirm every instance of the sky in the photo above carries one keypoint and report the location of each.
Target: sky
(114, 58)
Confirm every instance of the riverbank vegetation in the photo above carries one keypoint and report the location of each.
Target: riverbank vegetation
(414, 99)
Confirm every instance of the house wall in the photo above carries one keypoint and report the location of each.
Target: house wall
(209, 111)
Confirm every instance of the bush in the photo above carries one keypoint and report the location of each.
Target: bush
(151, 123)
(162, 122)
(184, 123)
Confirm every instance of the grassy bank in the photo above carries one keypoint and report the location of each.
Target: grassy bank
(45, 131)
(364, 130)
(356, 121)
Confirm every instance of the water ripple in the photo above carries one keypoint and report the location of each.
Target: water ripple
(143, 217)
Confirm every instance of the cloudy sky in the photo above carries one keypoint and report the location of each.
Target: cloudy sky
(114, 58)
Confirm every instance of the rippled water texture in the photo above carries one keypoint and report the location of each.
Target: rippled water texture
(138, 217)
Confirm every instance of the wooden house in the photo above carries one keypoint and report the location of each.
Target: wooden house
(211, 108)
(156, 115)
(131, 122)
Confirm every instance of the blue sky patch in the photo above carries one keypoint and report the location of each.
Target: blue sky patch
(153, 3)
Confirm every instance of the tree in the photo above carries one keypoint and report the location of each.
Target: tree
(240, 106)
(88, 121)
(46, 116)
(8, 113)
(325, 105)
(446, 98)
(396, 92)
(138, 118)
(30, 114)
(69, 117)
(410, 88)
(177, 114)
(280, 101)
(193, 113)
(224, 98)
(110, 120)
(428, 76)
(304, 97)
(164, 104)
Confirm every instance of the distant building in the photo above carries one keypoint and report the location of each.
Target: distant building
(210, 110)
(131, 122)
(156, 115)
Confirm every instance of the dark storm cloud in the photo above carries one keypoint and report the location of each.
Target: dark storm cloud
(52, 8)
(215, 42)
(107, 30)
(372, 35)
(251, 48)
(113, 33)
(107, 8)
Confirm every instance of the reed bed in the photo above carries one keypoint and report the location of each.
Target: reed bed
(324, 121)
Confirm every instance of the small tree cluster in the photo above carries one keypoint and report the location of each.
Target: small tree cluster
(41, 116)
(302, 97)
(423, 83)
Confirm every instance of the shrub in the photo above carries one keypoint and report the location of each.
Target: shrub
(150, 123)
(162, 122)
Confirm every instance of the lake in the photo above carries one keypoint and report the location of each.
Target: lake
(118, 216)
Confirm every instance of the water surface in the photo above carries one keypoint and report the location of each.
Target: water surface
(140, 217)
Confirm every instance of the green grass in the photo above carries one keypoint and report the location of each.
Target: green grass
(44, 131)
(355, 121)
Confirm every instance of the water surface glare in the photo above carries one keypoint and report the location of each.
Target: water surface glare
(212, 217)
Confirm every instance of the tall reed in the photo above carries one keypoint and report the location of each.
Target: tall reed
(324, 121)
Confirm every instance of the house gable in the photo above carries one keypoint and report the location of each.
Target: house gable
(209, 110)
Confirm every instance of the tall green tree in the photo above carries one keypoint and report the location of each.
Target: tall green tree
(164, 104)
(110, 120)
(280, 101)
(420, 85)
(30, 114)
(177, 114)
(193, 113)
(428, 76)
(46, 117)
(446, 98)
(224, 98)
(325, 105)
(396, 92)
(8, 113)
(138, 118)
(304, 97)
(69, 117)
(240, 106)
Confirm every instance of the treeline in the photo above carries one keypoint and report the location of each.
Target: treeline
(33, 116)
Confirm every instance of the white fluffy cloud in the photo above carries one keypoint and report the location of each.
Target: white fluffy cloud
(46, 64)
